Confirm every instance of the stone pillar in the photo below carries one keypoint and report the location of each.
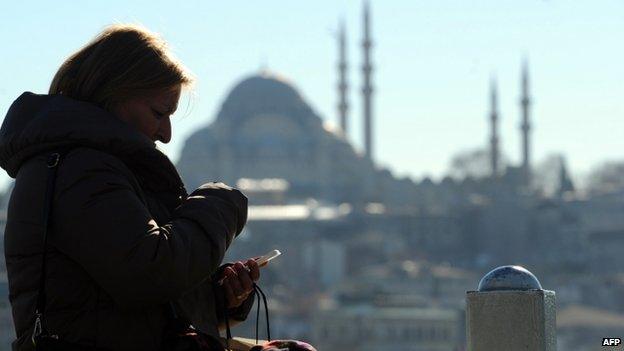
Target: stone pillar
(510, 311)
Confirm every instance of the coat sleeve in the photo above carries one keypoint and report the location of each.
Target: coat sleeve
(101, 223)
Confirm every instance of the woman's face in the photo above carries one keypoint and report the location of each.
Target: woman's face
(150, 114)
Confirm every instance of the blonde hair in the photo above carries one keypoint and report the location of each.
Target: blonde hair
(122, 62)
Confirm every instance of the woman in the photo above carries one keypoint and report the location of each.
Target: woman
(125, 240)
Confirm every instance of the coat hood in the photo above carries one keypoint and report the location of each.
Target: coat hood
(36, 124)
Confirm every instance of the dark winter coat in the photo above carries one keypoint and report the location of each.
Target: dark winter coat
(125, 238)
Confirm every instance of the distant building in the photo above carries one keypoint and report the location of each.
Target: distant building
(407, 284)
(368, 328)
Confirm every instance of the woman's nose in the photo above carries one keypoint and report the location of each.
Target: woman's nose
(164, 131)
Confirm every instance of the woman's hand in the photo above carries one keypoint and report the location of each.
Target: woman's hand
(238, 281)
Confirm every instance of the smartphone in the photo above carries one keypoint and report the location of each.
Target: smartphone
(263, 260)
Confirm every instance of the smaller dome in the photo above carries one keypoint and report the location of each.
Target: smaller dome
(509, 278)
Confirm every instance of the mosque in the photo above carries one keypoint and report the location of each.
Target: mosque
(265, 130)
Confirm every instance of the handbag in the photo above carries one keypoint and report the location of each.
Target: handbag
(181, 335)
(275, 345)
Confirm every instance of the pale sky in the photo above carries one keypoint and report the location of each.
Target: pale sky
(433, 62)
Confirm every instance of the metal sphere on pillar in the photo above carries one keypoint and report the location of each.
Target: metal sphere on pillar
(509, 278)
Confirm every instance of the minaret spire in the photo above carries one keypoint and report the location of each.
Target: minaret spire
(343, 87)
(525, 127)
(494, 147)
(367, 89)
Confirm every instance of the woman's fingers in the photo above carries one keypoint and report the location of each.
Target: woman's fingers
(244, 277)
(254, 269)
(238, 281)
(232, 301)
(233, 280)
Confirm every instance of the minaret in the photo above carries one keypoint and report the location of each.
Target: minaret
(525, 127)
(565, 183)
(494, 148)
(343, 106)
(367, 89)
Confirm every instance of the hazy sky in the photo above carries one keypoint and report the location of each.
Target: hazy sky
(433, 63)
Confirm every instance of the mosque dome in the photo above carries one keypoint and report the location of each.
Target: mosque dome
(264, 93)
(265, 86)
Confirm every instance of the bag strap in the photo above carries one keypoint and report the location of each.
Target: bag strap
(52, 164)
(259, 293)
(228, 331)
